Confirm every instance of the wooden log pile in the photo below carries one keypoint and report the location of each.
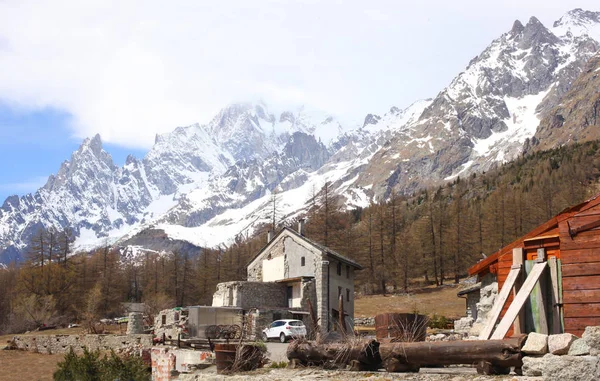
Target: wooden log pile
(489, 356)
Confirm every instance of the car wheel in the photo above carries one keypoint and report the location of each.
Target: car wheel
(282, 337)
(265, 337)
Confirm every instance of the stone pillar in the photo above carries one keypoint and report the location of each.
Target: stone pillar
(135, 324)
(323, 307)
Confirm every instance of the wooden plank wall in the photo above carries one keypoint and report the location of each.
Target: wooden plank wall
(505, 262)
(580, 257)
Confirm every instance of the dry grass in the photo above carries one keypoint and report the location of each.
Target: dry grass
(22, 365)
(19, 365)
(428, 301)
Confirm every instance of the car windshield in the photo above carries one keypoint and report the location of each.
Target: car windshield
(296, 323)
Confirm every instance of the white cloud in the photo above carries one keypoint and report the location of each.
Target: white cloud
(131, 69)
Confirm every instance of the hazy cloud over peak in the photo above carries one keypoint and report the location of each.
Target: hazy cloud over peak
(129, 70)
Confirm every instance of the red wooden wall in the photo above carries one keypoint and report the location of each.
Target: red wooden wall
(580, 256)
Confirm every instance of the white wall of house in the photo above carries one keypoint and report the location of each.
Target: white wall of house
(294, 252)
(273, 269)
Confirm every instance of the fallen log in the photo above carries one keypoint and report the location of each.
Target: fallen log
(496, 355)
(361, 355)
(489, 356)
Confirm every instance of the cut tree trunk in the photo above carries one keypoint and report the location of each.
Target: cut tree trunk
(411, 356)
(361, 355)
(489, 356)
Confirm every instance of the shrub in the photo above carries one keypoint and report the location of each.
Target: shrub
(438, 321)
(91, 366)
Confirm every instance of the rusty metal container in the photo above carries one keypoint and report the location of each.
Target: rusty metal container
(225, 356)
(401, 327)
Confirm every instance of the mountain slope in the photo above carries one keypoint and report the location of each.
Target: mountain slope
(487, 112)
(577, 118)
(206, 184)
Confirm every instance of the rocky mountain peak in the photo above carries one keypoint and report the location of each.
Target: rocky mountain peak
(517, 28)
(578, 16)
(287, 116)
(371, 119)
(534, 33)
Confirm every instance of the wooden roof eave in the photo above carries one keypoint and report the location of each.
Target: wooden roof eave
(484, 264)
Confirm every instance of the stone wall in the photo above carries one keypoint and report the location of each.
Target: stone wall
(563, 357)
(487, 297)
(56, 344)
(250, 295)
(170, 322)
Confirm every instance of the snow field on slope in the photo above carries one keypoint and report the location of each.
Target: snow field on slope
(522, 124)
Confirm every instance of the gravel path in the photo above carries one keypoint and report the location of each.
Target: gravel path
(308, 374)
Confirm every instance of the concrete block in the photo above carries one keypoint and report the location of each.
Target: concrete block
(562, 368)
(536, 344)
(560, 344)
(579, 348)
(187, 361)
(591, 335)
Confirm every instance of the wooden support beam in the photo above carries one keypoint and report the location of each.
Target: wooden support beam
(518, 257)
(556, 297)
(341, 315)
(517, 304)
(499, 303)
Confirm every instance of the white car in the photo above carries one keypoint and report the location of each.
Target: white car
(284, 330)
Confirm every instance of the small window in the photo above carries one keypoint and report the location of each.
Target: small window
(302, 261)
(339, 269)
(163, 319)
(347, 294)
(348, 271)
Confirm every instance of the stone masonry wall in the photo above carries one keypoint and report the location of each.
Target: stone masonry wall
(250, 294)
(53, 344)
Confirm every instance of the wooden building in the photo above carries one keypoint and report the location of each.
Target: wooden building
(553, 272)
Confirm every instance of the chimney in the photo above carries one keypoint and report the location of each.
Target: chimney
(301, 226)
(269, 236)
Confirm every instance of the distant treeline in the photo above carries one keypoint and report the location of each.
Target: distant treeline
(431, 237)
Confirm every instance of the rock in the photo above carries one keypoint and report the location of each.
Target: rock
(579, 348)
(591, 335)
(463, 324)
(562, 368)
(533, 366)
(536, 344)
(560, 344)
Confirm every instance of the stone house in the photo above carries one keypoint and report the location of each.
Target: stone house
(290, 270)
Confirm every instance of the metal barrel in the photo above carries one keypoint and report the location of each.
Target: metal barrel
(225, 356)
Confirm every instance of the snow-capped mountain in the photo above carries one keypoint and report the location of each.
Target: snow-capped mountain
(242, 154)
(205, 184)
(488, 111)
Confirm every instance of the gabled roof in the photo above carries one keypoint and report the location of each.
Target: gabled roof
(545, 227)
(318, 246)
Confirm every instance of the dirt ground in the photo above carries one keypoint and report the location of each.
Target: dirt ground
(18, 366)
(430, 300)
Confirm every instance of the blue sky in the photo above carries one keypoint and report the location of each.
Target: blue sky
(33, 144)
(70, 69)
